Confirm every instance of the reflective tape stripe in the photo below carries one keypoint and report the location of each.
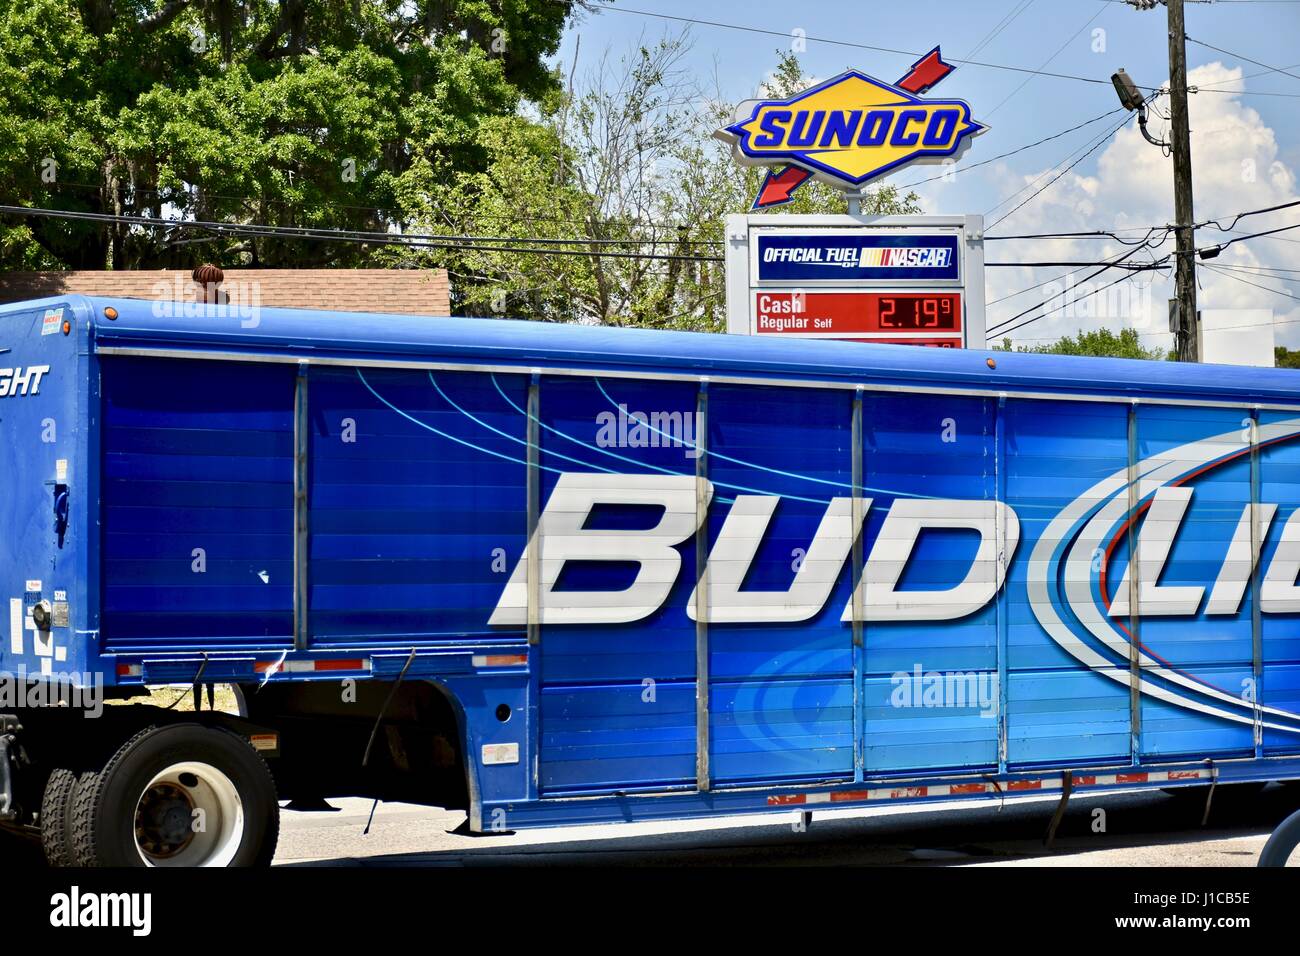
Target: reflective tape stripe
(318, 666)
(499, 660)
(974, 789)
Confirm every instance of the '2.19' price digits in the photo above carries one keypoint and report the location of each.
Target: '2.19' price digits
(923, 311)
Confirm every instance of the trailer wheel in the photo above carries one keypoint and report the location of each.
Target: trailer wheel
(56, 813)
(179, 795)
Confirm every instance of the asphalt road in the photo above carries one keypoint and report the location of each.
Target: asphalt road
(1143, 829)
(1140, 829)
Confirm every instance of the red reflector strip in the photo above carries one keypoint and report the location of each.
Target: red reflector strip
(970, 789)
(786, 799)
(359, 664)
(849, 796)
(499, 660)
(129, 670)
(319, 666)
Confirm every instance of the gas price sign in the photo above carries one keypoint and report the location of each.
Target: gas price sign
(911, 280)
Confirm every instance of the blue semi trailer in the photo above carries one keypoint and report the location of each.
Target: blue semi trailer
(559, 575)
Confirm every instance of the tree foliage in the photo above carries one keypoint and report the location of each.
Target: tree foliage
(319, 113)
(1284, 357)
(626, 161)
(1099, 343)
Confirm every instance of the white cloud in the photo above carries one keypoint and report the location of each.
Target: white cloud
(1237, 165)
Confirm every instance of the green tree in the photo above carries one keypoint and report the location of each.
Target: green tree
(324, 113)
(625, 160)
(1284, 357)
(1099, 343)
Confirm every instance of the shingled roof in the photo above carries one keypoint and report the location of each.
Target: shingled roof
(409, 291)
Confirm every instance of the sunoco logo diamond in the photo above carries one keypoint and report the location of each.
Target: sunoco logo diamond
(851, 129)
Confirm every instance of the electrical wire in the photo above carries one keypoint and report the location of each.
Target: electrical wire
(1092, 149)
(1251, 235)
(1239, 56)
(993, 159)
(1016, 9)
(1243, 215)
(456, 243)
(848, 43)
(997, 327)
(1059, 50)
(459, 243)
(1231, 275)
(251, 200)
(1007, 332)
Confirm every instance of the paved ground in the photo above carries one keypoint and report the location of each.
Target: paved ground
(1147, 829)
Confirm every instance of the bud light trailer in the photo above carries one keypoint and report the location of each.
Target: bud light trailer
(556, 575)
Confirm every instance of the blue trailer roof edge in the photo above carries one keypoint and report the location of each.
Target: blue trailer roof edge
(317, 333)
(82, 304)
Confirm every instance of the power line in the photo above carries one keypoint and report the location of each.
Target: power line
(1092, 149)
(455, 243)
(846, 43)
(1088, 294)
(254, 200)
(1210, 89)
(464, 243)
(1239, 56)
(1092, 234)
(1251, 235)
(1217, 87)
(1001, 328)
(1016, 9)
(998, 327)
(1273, 271)
(1146, 241)
(1243, 215)
(1027, 80)
(993, 159)
(1221, 271)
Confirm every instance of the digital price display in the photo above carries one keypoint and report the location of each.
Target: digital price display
(906, 280)
(920, 312)
(842, 313)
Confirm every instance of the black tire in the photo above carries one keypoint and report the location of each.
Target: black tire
(56, 814)
(113, 823)
(1282, 843)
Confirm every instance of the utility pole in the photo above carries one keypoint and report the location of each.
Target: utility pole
(1188, 342)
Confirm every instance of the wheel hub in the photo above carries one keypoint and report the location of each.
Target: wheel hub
(164, 820)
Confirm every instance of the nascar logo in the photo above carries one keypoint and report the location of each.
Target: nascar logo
(848, 257)
(851, 129)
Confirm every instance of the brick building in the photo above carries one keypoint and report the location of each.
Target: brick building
(409, 291)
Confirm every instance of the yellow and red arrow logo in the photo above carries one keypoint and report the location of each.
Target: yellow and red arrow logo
(850, 129)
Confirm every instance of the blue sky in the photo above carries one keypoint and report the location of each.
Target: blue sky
(1245, 146)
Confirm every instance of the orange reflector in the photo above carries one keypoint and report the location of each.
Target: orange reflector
(499, 660)
(343, 665)
(67, 326)
(110, 313)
